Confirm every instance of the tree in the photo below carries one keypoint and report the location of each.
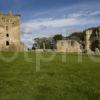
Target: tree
(57, 37)
(40, 42)
(77, 36)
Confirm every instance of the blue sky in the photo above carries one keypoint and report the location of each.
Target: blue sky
(48, 17)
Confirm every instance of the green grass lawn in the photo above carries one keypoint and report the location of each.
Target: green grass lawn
(56, 80)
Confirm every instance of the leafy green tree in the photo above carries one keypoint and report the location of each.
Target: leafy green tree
(78, 36)
(57, 37)
(40, 42)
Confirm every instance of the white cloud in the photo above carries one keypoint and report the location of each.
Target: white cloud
(75, 15)
(81, 14)
(43, 24)
(95, 13)
(46, 26)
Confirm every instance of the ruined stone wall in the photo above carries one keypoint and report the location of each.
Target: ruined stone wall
(87, 40)
(68, 46)
(92, 40)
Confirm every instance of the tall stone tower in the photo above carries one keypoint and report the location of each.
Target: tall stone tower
(87, 40)
(9, 32)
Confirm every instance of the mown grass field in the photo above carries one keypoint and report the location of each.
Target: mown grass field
(56, 80)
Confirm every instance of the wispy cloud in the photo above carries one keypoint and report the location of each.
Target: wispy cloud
(74, 19)
(44, 23)
(64, 20)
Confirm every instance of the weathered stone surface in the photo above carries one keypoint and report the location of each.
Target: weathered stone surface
(68, 46)
(87, 41)
(10, 32)
(97, 51)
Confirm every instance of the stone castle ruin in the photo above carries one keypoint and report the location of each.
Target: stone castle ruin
(91, 43)
(92, 40)
(10, 33)
(87, 40)
(10, 37)
(70, 46)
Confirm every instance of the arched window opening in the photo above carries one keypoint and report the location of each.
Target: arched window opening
(7, 43)
(7, 35)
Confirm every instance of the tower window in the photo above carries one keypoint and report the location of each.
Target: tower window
(72, 43)
(13, 23)
(7, 43)
(6, 27)
(7, 35)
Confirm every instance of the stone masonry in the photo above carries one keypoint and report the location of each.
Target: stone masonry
(10, 32)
